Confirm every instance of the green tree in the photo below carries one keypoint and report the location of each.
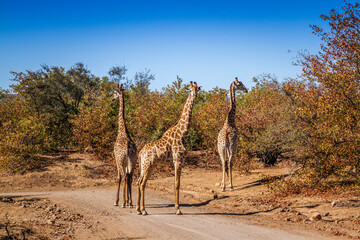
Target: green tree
(95, 127)
(22, 135)
(141, 82)
(55, 94)
(118, 75)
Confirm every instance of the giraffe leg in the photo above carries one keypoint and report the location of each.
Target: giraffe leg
(223, 162)
(124, 192)
(127, 189)
(142, 203)
(118, 182)
(177, 187)
(139, 197)
(141, 192)
(231, 187)
(223, 185)
(127, 195)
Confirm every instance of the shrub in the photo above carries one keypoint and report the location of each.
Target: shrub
(94, 127)
(266, 124)
(328, 100)
(23, 136)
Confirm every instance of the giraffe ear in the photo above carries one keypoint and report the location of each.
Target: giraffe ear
(199, 88)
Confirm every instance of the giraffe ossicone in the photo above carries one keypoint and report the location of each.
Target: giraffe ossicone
(170, 146)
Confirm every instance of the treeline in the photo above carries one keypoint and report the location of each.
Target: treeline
(312, 120)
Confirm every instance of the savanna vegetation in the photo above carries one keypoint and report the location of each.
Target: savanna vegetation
(312, 120)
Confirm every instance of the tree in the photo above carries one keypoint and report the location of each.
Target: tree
(22, 135)
(2, 93)
(141, 82)
(328, 100)
(94, 128)
(209, 116)
(55, 94)
(266, 124)
(117, 74)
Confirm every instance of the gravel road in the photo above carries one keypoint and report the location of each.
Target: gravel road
(197, 221)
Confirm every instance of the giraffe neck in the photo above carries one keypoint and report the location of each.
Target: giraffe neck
(232, 111)
(184, 122)
(122, 126)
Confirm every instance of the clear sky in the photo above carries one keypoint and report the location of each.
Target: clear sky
(210, 42)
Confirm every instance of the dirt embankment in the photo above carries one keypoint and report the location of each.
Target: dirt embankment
(43, 217)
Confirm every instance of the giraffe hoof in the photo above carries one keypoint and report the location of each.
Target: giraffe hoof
(123, 206)
(115, 204)
(144, 213)
(231, 189)
(223, 189)
(178, 212)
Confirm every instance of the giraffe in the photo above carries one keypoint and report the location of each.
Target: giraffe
(228, 135)
(125, 153)
(169, 146)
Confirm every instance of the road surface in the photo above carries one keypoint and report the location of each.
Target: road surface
(197, 221)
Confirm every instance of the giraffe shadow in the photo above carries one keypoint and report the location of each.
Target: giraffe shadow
(202, 204)
(211, 213)
(260, 182)
(229, 214)
(185, 204)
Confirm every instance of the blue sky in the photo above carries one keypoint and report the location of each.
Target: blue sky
(210, 42)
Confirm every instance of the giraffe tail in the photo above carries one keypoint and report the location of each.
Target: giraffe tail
(227, 168)
(128, 180)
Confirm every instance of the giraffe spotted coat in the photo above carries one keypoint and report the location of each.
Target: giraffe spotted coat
(125, 154)
(227, 138)
(170, 146)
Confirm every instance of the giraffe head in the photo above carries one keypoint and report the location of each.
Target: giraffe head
(119, 90)
(193, 89)
(239, 85)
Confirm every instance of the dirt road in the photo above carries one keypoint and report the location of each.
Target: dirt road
(197, 221)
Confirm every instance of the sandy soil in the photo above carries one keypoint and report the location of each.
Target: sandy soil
(76, 196)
